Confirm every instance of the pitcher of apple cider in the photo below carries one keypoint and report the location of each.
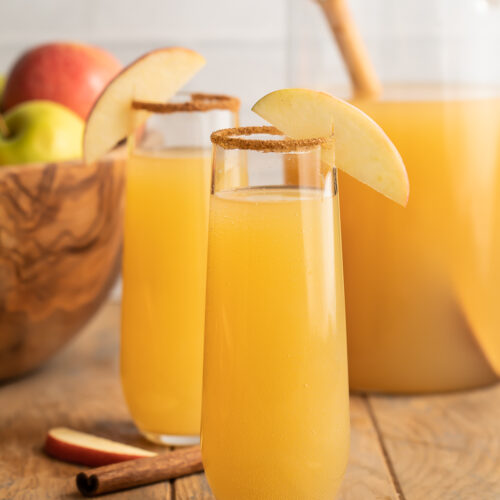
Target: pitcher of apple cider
(422, 284)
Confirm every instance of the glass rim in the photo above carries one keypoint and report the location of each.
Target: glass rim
(197, 102)
(235, 138)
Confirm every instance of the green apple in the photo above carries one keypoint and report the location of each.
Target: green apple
(40, 131)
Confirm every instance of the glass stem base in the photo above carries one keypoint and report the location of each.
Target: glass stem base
(171, 440)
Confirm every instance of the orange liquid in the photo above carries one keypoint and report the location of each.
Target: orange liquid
(275, 421)
(163, 305)
(422, 283)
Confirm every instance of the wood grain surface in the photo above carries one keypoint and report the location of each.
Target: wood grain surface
(427, 448)
(444, 447)
(368, 475)
(60, 246)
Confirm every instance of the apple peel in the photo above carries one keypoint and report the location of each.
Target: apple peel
(154, 77)
(362, 149)
(81, 448)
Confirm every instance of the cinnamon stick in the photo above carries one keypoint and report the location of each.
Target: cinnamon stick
(139, 472)
(363, 76)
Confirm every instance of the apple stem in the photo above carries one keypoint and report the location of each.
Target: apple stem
(4, 130)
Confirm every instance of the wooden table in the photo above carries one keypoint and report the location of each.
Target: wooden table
(443, 447)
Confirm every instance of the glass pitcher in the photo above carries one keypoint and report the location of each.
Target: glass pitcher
(422, 284)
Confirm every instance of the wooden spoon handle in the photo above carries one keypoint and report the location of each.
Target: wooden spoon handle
(363, 76)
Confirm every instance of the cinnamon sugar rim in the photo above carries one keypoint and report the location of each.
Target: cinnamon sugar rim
(234, 138)
(198, 102)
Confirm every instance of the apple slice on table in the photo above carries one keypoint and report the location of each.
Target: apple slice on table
(86, 449)
(362, 149)
(154, 77)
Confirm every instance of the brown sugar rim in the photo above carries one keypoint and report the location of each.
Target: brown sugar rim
(231, 138)
(197, 102)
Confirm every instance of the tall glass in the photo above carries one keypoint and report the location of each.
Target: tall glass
(164, 265)
(422, 284)
(275, 420)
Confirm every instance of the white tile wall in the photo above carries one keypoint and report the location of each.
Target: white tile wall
(110, 20)
(453, 41)
(243, 41)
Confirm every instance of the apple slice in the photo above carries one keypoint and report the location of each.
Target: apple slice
(86, 449)
(362, 149)
(154, 77)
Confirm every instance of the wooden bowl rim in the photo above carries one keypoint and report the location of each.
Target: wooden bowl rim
(116, 154)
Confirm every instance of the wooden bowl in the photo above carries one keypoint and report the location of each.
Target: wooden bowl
(60, 251)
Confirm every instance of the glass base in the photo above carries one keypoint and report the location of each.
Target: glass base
(171, 440)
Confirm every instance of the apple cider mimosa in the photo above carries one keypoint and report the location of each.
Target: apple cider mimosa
(275, 403)
(164, 268)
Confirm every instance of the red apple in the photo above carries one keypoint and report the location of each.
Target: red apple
(86, 449)
(71, 74)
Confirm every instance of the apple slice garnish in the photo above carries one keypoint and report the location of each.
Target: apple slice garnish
(154, 77)
(86, 449)
(362, 149)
